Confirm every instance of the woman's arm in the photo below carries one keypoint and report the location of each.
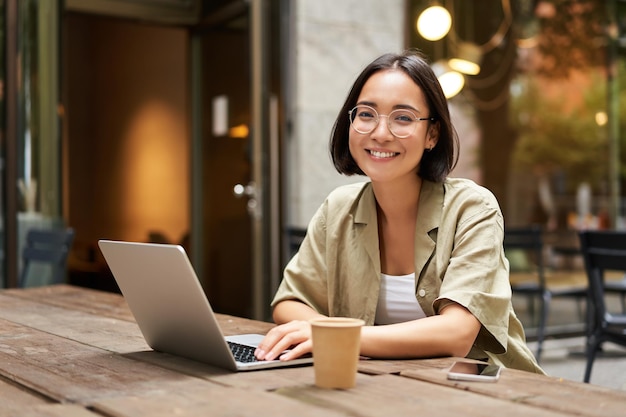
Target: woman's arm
(451, 333)
(290, 310)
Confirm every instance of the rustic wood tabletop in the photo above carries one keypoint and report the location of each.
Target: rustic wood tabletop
(71, 351)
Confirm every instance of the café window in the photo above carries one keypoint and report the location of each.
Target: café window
(540, 117)
(38, 150)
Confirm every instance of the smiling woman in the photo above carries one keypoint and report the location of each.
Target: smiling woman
(409, 223)
(374, 145)
(371, 142)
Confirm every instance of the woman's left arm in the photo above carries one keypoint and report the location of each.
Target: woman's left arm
(450, 333)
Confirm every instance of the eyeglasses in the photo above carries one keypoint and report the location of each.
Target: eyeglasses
(401, 122)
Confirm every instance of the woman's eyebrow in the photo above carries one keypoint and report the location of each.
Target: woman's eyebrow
(406, 107)
(395, 107)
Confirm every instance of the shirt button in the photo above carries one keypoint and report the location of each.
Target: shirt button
(422, 292)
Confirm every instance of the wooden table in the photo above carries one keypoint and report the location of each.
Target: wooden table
(70, 351)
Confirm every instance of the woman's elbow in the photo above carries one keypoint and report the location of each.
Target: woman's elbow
(465, 332)
(462, 347)
(278, 314)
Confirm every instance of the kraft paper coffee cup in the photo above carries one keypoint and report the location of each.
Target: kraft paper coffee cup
(336, 348)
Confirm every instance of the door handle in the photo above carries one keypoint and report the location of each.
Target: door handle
(249, 191)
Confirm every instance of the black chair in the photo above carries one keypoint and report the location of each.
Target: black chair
(617, 287)
(602, 251)
(530, 280)
(47, 247)
(295, 236)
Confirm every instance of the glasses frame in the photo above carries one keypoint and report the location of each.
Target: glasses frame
(378, 116)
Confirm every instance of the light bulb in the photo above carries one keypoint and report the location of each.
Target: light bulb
(452, 82)
(434, 23)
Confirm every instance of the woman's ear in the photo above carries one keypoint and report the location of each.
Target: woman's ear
(433, 135)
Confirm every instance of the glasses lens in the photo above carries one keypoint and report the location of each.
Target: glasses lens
(363, 119)
(402, 123)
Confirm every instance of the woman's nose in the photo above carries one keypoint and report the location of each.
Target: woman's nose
(382, 132)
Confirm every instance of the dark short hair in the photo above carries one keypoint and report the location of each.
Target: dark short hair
(435, 164)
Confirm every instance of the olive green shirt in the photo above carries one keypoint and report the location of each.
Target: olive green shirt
(459, 257)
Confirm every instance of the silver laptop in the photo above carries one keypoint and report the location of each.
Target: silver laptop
(171, 308)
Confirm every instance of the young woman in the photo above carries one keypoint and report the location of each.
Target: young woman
(415, 254)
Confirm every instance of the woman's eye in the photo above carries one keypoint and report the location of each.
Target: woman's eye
(403, 118)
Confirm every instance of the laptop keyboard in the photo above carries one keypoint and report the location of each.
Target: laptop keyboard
(242, 353)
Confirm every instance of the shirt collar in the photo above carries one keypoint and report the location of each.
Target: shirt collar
(429, 212)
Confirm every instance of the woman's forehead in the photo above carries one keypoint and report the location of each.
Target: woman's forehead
(392, 87)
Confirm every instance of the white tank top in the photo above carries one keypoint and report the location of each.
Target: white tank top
(396, 300)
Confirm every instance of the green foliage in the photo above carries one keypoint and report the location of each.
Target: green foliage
(556, 135)
(557, 128)
(555, 140)
(573, 36)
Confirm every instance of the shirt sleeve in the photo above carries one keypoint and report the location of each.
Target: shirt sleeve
(304, 277)
(477, 274)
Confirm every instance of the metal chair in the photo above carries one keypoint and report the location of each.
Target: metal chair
(48, 247)
(295, 236)
(617, 287)
(532, 282)
(602, 251)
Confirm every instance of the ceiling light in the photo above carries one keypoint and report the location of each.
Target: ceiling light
(434, 23)
(468, 59)
(452, 82)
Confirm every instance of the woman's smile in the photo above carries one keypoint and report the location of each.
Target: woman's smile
(382, 154)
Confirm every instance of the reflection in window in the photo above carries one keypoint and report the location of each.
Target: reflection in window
(541, 121)
(559, 110)
(38, 134)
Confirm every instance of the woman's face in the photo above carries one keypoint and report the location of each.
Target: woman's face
(382, 156)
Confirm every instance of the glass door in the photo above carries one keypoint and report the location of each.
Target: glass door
(32, 163)
(234, 247)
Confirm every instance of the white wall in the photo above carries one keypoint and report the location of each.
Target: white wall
(332, 42)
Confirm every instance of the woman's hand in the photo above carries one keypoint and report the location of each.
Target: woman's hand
(293, 332)
(294, 336)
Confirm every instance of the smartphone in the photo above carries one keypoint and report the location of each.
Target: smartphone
(468, 371)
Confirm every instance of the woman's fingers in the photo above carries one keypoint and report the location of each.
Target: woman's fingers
(299, 350)
(283, 337)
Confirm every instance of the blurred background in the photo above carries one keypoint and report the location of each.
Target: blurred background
(206, 123)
